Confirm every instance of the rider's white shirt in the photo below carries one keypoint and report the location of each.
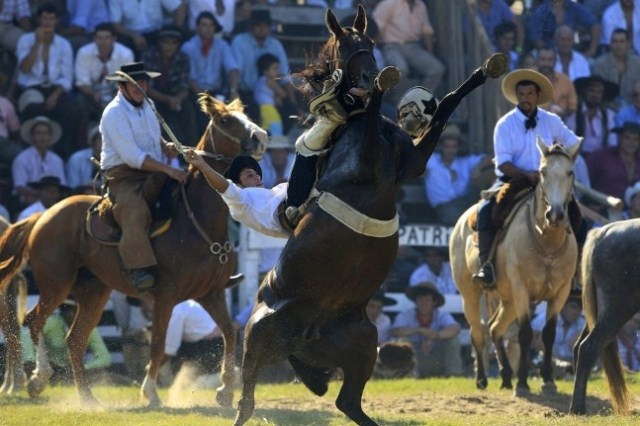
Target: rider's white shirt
(513, 143)
(257, 208)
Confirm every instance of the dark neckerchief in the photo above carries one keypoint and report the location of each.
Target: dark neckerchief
(531, 122)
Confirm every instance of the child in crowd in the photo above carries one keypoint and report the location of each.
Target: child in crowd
(269, 93)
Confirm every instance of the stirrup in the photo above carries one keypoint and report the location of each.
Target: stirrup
(486, 277)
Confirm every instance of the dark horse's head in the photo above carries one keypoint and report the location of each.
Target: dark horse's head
(350, 50)
(230, 132)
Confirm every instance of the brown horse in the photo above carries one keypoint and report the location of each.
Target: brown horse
(195, 259)
(310, 308)
(535, 260)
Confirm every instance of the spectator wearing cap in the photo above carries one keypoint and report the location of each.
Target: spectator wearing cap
(594, 120)
(564, 101)
(15, 20)
(619, 65)
(433, 333)
(631, 112)
(133, 159)
(97, 358)
(248, 47)
(434, 269)
(94, 61)
(80, 167)
(170, 91)
(381, 320)
(84, 16)
(406, 38)
(212, 64)
(51, 191)
(45, 68)
(623, 14)
(138, 22)
(632, 202)
(452, 182)
(569, 61)
(549, 14)
(612, 170)
(223, 11)
(38, 160)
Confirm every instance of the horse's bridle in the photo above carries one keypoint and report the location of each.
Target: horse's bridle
(347, 97)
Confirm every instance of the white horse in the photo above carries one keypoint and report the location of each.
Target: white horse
(534, 261)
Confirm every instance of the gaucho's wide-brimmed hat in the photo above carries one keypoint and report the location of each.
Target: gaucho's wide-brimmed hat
(611, 90)
(135, 70)
(512, 79)
(240, 163)
(27, 126)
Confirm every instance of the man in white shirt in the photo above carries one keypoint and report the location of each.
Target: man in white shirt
(132, 157)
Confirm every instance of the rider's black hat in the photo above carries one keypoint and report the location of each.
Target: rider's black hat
(240, 163)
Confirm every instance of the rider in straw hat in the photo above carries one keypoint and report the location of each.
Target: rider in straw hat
(132, 157)
(516, 152)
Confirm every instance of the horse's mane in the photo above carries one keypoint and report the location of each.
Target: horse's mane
(309, 80)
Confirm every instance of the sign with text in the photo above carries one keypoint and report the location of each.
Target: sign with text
(425, 234)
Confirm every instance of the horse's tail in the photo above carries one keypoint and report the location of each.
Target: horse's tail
(610, 355)
(13, 246)
(316, 379)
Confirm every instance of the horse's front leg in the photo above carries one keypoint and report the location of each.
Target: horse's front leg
(546, 371)
(472, 297)
(216, 305)
(163, 307)
(525, 335)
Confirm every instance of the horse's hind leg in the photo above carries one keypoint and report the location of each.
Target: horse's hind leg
(498, 325)
(91, 299)
(472, 313)
(14, 375)
(216, 305)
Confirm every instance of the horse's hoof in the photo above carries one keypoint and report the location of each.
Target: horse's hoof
(506, 385)
(521, 392)
(549, 389)
(388, 78)
(496, 65)
(224, 398)
(35, 387)
(482, 384)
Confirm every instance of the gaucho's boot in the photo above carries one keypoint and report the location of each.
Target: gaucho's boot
(485, 277)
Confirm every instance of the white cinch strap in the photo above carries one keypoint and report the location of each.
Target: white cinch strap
(354, 220)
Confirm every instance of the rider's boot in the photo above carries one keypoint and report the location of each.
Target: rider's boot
(329, 114)
(485, 277)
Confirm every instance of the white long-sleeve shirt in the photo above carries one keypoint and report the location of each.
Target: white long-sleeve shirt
(129, 134)
(60, 64)
(257, 208)
(189, 322)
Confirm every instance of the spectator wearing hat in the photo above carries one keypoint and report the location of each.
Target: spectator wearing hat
(594, 120)
(435, 269)
(15, 20)
(212, 64)
(51, 191)
(94, 61)
(38, 160)
(80, 167)
(569, 61)
(223, 11)
(613, 169)
(248, 47)
(516, 151)
(132, 158)
(45, 75)
(564, 101)
(84, 16)
(619, 65)
(381, 320)
(452, 182)
(433, 333)
(631, 112)
(170, 91)
(54, 333)
(138, 22)
(632, 202)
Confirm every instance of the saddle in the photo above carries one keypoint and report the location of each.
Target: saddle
(507, 198)
(102, 226)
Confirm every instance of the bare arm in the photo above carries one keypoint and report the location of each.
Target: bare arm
(215, 179)
(510, 170)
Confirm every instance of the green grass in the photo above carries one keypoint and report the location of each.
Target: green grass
(401, 402)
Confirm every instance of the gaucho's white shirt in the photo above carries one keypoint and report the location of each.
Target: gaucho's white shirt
(513, 143)
(257, 208)
(129, 134)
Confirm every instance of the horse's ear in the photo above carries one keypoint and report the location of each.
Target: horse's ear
(574, 149)
(360, 23)
(332, 23)
(542, 147)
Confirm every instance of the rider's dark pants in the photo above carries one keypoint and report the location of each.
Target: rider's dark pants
(302, 179)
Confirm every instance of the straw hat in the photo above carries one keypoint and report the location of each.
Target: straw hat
(27, 126)
(512, 79)
(28, 97)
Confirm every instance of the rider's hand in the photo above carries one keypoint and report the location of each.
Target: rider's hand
(192, 157)
(177, 174)
(170, 150)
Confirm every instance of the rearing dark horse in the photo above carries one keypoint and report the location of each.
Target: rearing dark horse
(310, 308)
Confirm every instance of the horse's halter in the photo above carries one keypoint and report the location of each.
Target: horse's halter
(542, 192)
(215, 155)
(344, 65)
